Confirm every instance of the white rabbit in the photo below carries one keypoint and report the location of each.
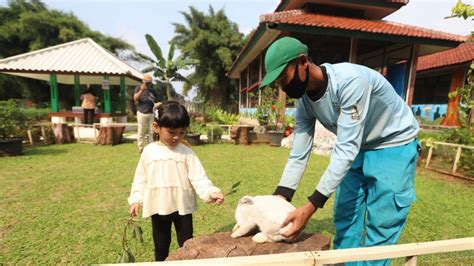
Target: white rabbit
(265, 212)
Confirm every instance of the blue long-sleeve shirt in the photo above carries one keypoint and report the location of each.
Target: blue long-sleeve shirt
(362, 109)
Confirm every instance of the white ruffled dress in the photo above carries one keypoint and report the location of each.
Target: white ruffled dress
(167, 181)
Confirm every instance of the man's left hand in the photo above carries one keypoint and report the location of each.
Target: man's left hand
(299, 218)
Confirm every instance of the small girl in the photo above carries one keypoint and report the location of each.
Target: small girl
(167, 178)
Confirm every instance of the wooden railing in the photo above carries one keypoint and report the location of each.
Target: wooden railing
(312, 258)
(458, 147)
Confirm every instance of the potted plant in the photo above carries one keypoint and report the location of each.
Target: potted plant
(193, 136)
(12, 121)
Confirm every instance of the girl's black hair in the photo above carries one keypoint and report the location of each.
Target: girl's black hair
(171, 114)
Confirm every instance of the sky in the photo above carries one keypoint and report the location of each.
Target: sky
(132, 19)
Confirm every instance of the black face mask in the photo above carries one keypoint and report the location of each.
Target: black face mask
(296, 88)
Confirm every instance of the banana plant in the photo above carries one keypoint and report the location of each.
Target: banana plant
(166, 70)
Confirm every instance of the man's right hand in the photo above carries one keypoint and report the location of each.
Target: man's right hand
(143, 86)
(299, 218)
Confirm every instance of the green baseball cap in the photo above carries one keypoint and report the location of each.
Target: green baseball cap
(279, 54)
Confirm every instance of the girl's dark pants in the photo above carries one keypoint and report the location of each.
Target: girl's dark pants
(161, 225)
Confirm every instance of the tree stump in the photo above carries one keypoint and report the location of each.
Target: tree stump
(221, 245)
(63, 133)
(110, 135)
(244, 135)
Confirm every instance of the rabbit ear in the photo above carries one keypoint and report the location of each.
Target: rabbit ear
(246, 200)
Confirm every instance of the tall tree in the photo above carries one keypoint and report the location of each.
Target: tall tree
(29, 25)
(166, 69)
(213, 41)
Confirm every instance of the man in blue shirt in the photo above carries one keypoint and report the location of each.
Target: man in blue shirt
(372, 166)
(146, 96)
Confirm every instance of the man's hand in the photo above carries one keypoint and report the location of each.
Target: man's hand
(143, 86)
(299, 218)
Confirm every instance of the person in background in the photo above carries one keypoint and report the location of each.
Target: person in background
(146, 97)
(372, 166)
(167, 178)
(88, 105)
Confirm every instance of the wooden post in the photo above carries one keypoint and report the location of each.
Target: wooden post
(413, 62)
(77, 91)
(353, 50)
(43, 133)
(122, 95)
(30, 138)
(282, 108)
(95, 131)
(456, 160)
(78, 135)
(240, 92)
(246, 92)
(430, 152)
(53, 85)
(260, 77)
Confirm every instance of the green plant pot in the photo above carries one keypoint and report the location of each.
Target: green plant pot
(194, 138)
(275, 137)
(11, 146)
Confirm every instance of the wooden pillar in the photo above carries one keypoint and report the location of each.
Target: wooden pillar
(353, 50)
(248, 84)
(53, 84)
(107, 103)
(260, 66)
(282, 106)
(77, 91)
(452, 114)
(122, 95)
(412, 63)
(240, 92)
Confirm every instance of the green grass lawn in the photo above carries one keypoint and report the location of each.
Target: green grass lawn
(68, 203)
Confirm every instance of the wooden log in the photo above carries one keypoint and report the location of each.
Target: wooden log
(244, 135)
(63, 133)
(110, 135)
(221, 245)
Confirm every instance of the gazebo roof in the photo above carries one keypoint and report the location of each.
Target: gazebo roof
(83, 57)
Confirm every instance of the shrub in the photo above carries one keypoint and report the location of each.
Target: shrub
(12, 119)
(219, 116)
(196, 127)
(35, 115)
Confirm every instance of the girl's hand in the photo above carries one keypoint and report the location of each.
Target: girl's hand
(217, 197)
(134, 209)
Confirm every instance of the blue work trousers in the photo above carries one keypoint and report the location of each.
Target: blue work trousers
(373, 200)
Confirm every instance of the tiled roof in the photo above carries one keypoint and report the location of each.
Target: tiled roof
(83, 57)
(461, 54)
(302, 18)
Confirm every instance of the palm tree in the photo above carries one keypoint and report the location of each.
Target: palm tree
(166, 70)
